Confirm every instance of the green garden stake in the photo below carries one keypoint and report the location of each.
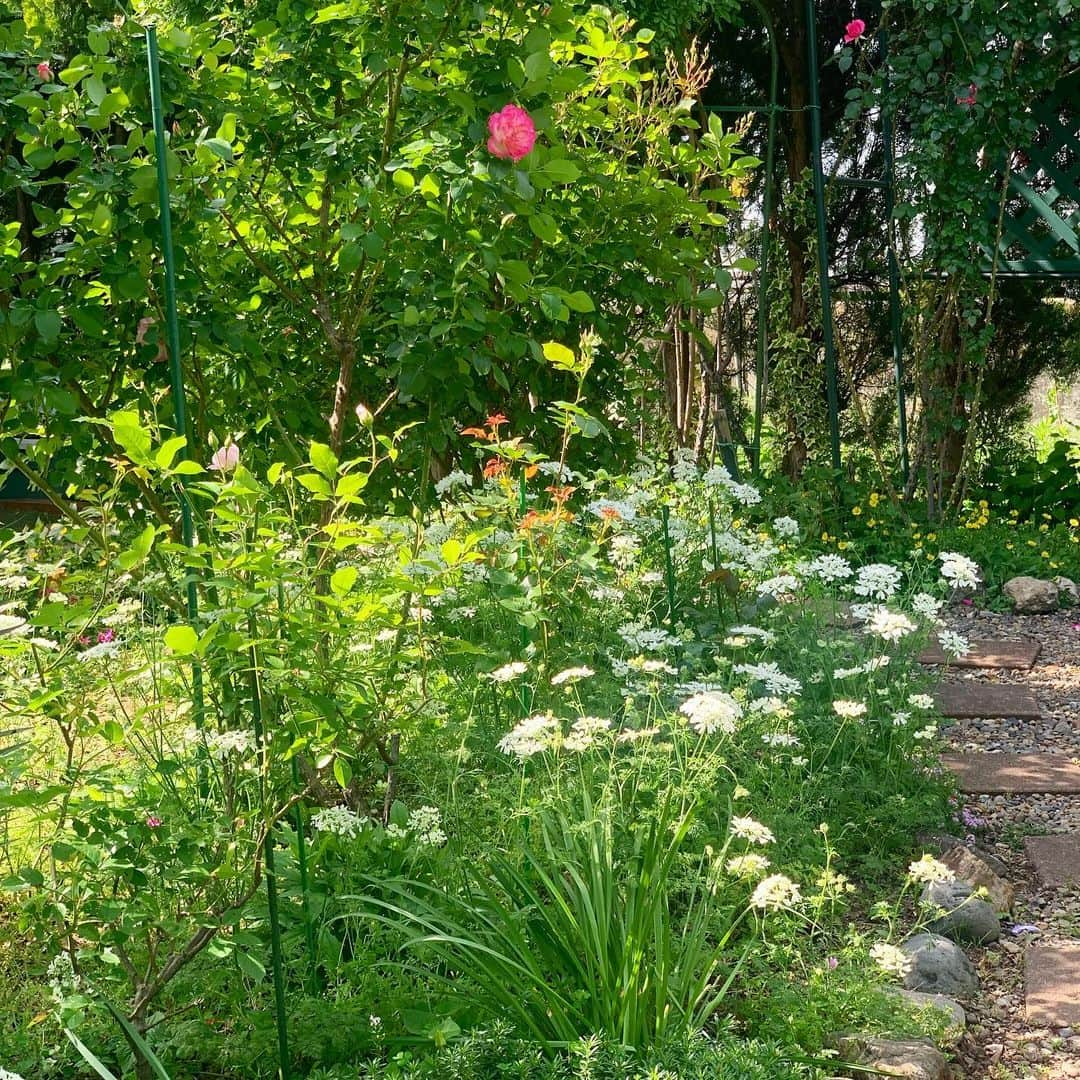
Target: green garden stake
(523, 502)
(669, 569)
(268, 858)
(715, 560)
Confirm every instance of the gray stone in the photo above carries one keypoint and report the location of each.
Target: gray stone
(972, 864)
(963, 917)
(952, 1012)
(911, 1059)
(939, 966)
(1031, 596)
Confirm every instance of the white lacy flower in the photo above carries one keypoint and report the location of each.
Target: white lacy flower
(425, 823)
(771, 677)
(775, 891)
(890, 959)
(642, 638)
(890, 625)
(786, 527)
(712, 711)
(650, 667)
(920, 701)
(508, 672)
(954, 644)
(339, 820)
(781, 738)
(900, 718)
(873, 664)
(926, 606)
(571, 674)
(849, 710)
(623, 550)
(752, 831)
(878, 581)
(959, 571)
(740, 633)
(749, 865)
(531, 736)
(830, 568)
(126, 611)
(768, 706)
(611, 509)
(99, 651)
(585, 732)
(781, 585)
(928, 869)
(716, 477)
(927, 733)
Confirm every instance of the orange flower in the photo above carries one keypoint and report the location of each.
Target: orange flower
(476, 432)
(494, 467)
(495, 420)
(560, 494)
(531, 471)
(609, 513)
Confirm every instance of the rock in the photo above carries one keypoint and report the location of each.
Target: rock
(965, 917)
(938, 966)
(952, 1011)
(912, 1059)
(982, 871)
(1030, 596)
(1068, 588)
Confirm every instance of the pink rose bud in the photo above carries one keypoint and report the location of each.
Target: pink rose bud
(153, 822)
(513, 133)
(854, 30)
(44, 72)
(225, 458)
(363, 414)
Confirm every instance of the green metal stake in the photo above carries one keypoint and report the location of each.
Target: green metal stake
(669, 569)
(760, 367)
(172, 337)
(276, 961)
(895, 325)
(523, 502)
(822, 236)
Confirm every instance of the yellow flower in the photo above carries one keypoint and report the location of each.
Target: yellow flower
(1074, 522)
(1044, 527)
(983, 503)
(1045, 554)
(1031, 543)
(931, 537)
(824, 537)
(856, 510)
(874, 499)
(1010, 546)
(916, 536)
(1053, 565)
(842, 545)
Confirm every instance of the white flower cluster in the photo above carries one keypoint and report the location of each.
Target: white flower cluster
(533, 735)
(781, 738)
(787, 527)
(642, 638)
(771, 677)
(339, 820)
(849, 710)
(920, 701)
(749, 865)
(571, 674)
(452, 480)
(718, 477)
(712, 711)
(7, 1074)
(126, 611)
(585, 732)
(829, 568)
(873, 664)
(425, 823)
(508, 672)
(959, 571)
(776, 891)
(623, 550)
(926, 606)
(927, 870)
(684, 467)
(753, 832)
(954, 644)
(878, 581)
(99, 651)
(737, 635)
(612, 509)
(779, 586)
(890, 625)
(890, 959)
(221, 744)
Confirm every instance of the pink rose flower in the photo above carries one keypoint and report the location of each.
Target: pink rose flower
(106, 636)
(513, 133)
(854, 30)
(153, 822)
(225, 458)
(44, 72)
(970, 97)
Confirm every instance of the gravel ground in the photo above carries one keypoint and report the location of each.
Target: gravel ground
(999, 1044)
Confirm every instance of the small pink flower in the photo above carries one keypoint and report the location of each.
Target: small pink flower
(513, 133)
(225, 458)
(832, 963)
(854, 30)
(967, 602)
(970, 97)
(44, 72)
(83, 639)
(153, 822)
(106, 636)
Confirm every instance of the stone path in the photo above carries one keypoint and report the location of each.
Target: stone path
(1015, 750)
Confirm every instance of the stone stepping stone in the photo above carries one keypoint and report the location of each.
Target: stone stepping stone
(977, 700)
(1056, 859)
(1052, 985)
(1014, 774)
(992, 653)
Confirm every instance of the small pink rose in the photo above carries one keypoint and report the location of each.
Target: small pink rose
(44, 72)
(225, 458)
(106, 636)
(512, 133)
(153, 822)
(971, 97)
(144, 325)
(854, 30)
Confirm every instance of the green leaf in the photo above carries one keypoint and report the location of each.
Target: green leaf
(89, 1057)
(342, 772)
(324, 459)
(251, 967)
(168, 450)
(227, 128)
(561, 170)
(48, 325)
(137, 1041)
(98, 42)
(544, 227)
(139, 550)
(219, 148)
(537, 65)
(404, 181)
(559, 356)
(181, 640)
(317, 485)
(343, 579)
(95, 89)
(579, 301)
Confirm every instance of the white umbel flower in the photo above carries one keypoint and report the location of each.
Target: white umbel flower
(878, 581)
(953, 644)
(712, 711)
(508, 672)
(928, 869)
(752, 831)
(571, 674)
(890, 625)
(959, 571)
(890, 959)
(775, 891)
(849, 710)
